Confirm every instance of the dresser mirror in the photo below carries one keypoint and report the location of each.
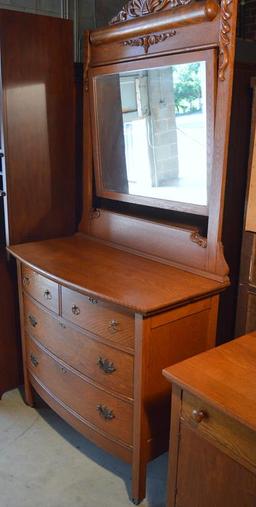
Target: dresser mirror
(158, 151)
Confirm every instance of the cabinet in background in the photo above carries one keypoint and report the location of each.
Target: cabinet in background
(212, 457)
(37, 150)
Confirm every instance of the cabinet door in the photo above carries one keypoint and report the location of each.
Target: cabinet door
(208, 477)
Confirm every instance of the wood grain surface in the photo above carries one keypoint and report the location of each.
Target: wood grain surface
(228, 382)
(129, 280)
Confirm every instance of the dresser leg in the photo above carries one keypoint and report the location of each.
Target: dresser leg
(29, 399)
(139, 482)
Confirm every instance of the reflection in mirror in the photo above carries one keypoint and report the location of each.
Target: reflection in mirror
(156, 148)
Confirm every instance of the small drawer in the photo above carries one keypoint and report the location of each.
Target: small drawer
(100, 318)
(108, 413)
(234, 438)
(107, 366)
(41, 288)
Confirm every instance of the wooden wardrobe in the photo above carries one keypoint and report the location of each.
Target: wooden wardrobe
(137, 288)
(37, 187)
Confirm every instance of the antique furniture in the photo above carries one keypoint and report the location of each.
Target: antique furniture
(246, 306)
(36, 123)
(137, 288)
(213, 427)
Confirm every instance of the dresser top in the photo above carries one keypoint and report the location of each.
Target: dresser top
(142, 285)
(224, 376)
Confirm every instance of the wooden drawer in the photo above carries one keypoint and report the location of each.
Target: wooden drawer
(108, 413)
(106, 365)
(41, 288)
(237, 439)
(100, 318)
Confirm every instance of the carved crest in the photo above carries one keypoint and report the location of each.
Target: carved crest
(137, 8)
(149, 40)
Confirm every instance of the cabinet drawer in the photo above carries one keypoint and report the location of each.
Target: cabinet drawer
(100, 318)
(41, 288)
(108, 413)
(106, 365)
(237, 439)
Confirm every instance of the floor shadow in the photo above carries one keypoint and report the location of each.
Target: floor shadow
(157, 469)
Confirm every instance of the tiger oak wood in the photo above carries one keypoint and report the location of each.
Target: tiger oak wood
(63, 340)
(116, 276)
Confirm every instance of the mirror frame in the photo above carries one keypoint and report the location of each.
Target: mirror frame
(139, 32)
(206, 55)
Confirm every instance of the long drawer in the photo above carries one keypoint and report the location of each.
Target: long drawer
(41, 288)
(108, 413)
(107, 366)
(103, 319)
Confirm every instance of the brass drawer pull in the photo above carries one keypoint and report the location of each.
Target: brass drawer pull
(199, 415)
(114, 325)
(75, 310)
(106, 365)
(32, 320)
(92, 301)
(105, 412)
(26, 281)
(34, 360)
(47, 295)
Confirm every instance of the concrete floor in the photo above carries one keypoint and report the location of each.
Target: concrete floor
(45, 463)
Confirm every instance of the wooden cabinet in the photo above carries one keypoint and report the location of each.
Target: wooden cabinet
(213, 428)
(37, 153)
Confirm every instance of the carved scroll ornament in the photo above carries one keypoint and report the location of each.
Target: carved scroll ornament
(137, 8)
(226, 15)
(198, 239)
(149, 40)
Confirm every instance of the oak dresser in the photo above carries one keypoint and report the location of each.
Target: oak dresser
(137, 287)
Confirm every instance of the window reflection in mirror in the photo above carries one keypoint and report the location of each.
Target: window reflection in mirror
(152, 131)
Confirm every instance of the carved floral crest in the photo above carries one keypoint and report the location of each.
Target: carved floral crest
(137, 8)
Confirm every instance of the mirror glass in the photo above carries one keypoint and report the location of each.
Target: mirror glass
(152, 131)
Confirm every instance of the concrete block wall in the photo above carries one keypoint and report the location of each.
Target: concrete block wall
(46, 7)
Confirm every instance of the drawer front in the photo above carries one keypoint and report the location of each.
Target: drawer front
(107, 366)
(111, 415)
(232, 436)
(100, 318)
(41, 288)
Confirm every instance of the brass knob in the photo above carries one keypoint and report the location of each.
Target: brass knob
(106, 365)
(32, 320)
(114, 325)
(105, 412)
(199, 415)
(92, 301)
(26, 281)
(34, 360)
(47, 295)
(75, 310)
